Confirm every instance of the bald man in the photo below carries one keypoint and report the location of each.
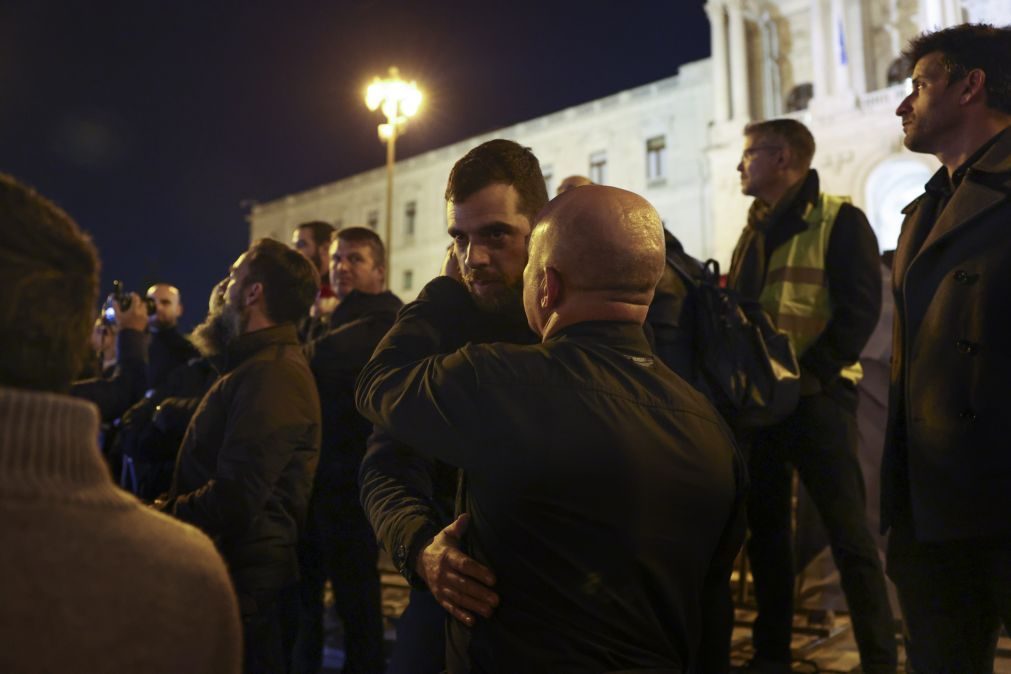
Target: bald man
(601, 488)
(168, 348)
(572, 182)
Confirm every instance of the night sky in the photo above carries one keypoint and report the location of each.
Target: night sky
(155, 124)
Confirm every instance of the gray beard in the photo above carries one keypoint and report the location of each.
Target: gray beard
(222, 326)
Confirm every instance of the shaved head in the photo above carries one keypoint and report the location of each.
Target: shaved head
(595, 251)
(573, 182)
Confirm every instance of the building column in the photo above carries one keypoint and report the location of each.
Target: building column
(718, 41)
(841, 45)
(739, 95)
(821, 77)
(937, 14)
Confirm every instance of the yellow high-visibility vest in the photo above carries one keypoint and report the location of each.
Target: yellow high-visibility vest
(796, 287)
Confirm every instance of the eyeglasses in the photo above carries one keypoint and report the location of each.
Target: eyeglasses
(755, 149)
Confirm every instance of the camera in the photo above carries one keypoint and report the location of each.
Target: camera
(124, 300)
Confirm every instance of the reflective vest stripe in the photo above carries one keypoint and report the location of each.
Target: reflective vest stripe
(796, 291)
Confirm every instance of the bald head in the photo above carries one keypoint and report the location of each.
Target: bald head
(597, 253)
(572, 182)
(168, 306)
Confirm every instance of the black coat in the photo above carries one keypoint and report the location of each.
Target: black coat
(947, 462)
(356, 326)
(167, 350)
(603, 489)
(246, 464)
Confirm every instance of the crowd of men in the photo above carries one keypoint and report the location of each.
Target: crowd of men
(531, 439)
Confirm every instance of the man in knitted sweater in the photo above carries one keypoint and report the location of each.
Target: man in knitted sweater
(90, 579)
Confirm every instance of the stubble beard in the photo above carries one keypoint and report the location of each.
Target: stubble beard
(507, 301)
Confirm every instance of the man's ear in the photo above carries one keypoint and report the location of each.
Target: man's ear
(253, 294)
(551, 289)
(973, 86)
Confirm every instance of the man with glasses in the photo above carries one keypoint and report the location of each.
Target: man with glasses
(811, 259)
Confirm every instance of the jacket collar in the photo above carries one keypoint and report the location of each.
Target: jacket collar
(251, 343)
(620, 335)
(358, 304)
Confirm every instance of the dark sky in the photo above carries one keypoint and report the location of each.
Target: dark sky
(151, 122)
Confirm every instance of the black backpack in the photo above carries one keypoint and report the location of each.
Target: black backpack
(742, 362)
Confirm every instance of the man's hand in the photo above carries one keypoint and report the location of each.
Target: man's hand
(460, 584)
(134, 318)
(450, 265)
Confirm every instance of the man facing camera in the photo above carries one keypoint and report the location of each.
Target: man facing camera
(246, 463)
(91, 580)
(602, 488)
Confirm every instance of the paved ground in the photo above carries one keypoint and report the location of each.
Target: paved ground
(821, 643)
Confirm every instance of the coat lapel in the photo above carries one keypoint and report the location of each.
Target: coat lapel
(968, 202)
(914, 230)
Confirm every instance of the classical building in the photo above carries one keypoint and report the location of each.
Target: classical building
(832, 64)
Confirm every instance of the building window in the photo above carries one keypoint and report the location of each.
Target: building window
(372, 219)
(410, 213)
(549, 178)
(656, 159)
(598, 167)
(408, 280)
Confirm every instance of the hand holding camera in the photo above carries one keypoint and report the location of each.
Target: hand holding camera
(127, 310)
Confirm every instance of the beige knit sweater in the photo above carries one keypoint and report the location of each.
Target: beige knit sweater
(91, 580)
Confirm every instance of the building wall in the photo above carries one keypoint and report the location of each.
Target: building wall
(783, 43)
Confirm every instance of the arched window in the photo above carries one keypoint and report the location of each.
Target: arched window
(891, 185)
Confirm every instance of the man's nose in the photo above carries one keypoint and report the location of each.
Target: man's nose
(904, 107)
(477, 256)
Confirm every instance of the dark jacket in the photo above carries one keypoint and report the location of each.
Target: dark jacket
(167, 349)
(410, 497)
(670, 323)
(114, 395)
(357, 325)
(851, 268)
(246, 464)
(600, 486)
(947, 464)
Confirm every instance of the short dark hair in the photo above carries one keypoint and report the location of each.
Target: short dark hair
(500, 161)
(966, 47)
(364, 235)
(290, 281)
(322, 232)
(789, 131)
(49, 275)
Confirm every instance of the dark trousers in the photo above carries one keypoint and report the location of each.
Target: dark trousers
(339, 545)
(265, 634)
(954, 597)
(819, 440)
(421, 637)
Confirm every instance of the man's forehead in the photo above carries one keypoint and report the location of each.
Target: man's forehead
(929, 65)
(494, 203)
(341, 247)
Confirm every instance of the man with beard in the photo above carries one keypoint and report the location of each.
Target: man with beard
(167, 348)
(946, 487)
(246, 463)
(492, 196)
(339, 544)
(602, 488)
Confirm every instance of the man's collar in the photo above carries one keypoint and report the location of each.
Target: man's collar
(622, 335)
(250, 343)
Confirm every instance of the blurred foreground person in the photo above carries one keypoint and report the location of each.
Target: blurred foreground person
(339, 543)
(946, 473)
(602, 489)
(90, 579)
(247, 460)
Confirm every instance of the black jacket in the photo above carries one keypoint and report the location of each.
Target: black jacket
(407, 496)
(167, 350)
(670, 323)
(947, 466)
(601, 487)
(852, 270)
(356, 326)
(246, 464)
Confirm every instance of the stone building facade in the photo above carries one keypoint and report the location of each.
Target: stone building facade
(832, 64)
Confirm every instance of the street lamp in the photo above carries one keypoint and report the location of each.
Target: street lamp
(398, 100)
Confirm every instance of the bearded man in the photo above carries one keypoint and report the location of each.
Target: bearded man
(246, 463)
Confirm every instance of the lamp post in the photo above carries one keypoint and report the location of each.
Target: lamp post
(398, 100)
